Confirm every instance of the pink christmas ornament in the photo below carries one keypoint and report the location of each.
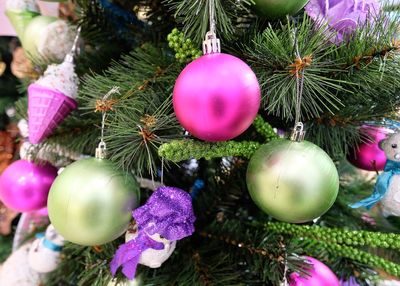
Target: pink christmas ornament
(24, 186)
(369, 156)
(320, 275)
(216, 97)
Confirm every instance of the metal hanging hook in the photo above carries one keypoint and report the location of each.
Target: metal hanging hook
(101, 150)
(71, 55)
(211, 43)
(298, 132)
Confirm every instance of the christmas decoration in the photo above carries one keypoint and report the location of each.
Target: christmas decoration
(28, 224)
(41, 36)
(386, 187)
(275, 9)
(165, 218)
(44, 253)
(20, 13)
(368, 155)
(24, 185)
(292, 181)
(90, 202)
(52, 98)
(153, 257)
(16, 271)
(343, 16)
(320, 274)
(217, 96)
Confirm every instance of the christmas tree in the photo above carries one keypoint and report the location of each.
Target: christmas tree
(186, 142)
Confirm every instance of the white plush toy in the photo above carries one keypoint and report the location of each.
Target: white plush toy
(151, 257)
(17, 272)
(387, 187)
(44, 254)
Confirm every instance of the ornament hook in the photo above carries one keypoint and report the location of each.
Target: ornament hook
(101, 150)
(211, 43)
(70, 56)
(298, 133)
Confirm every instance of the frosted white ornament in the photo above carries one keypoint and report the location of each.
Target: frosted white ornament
(151, 257)
(391, 201)
(23, 128)
(16, 271)
(44, 254)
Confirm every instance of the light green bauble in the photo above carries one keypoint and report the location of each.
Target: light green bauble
(34, 33)
(91, 202)
(292, 181)
(277, 9)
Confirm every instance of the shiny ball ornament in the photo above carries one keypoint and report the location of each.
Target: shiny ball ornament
(216, 97)
(369, 156)
(24, 186)
(292, 181)
(276, 9)
(319, 275)
(90, 202)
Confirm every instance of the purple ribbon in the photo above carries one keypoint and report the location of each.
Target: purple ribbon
(128, 254)
(342, 16)
(169, 213)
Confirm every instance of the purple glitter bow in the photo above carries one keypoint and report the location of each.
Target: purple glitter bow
(342, 16)
(169, 213)
(128, 254)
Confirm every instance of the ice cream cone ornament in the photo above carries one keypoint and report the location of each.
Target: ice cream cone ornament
(41, 36)
(52, 97)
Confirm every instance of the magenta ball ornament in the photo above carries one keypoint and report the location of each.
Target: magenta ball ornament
(216, 97)
(24, 185)
(369, 156)
(319, 275)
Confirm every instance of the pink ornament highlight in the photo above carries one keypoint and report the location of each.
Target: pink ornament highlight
(24, 186)
(369, 156)
(47, 109)
(320, 275)
(216, 97)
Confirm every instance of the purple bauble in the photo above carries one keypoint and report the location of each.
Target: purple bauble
(216, 97)
(369, 156)
(24, 186)
(319, 275)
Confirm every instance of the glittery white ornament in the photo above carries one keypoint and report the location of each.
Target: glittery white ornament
(44, 254)
(153, 258)
(17, 272)
(391, 201)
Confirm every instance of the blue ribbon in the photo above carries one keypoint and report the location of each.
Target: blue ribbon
(381, 187)
(47, 243)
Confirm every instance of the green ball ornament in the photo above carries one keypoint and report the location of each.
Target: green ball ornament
(91, 201)
(292, 181)
(276, 9)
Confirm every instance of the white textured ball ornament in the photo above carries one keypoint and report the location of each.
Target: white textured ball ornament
(17, 272)
(44, 254)
(151, 257)
(48, 37)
